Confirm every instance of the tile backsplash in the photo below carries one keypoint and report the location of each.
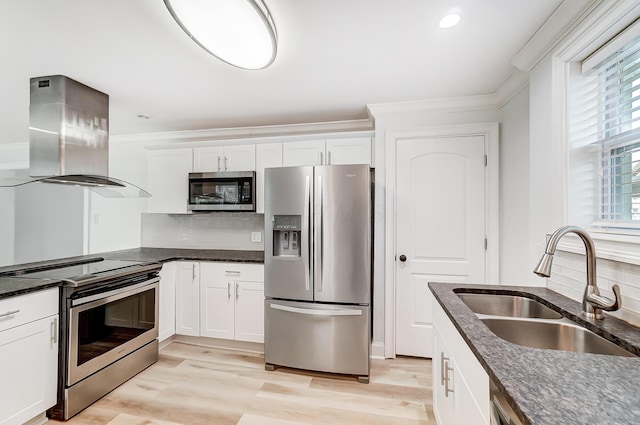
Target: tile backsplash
(568, 277)
(219, 230)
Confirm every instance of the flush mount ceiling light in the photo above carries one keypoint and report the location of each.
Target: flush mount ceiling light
(239, 32)
(450, 21)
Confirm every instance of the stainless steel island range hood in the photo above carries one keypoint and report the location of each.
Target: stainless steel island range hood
(69, 138)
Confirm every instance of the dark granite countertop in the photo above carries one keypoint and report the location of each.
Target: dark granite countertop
(175, 254)
(550, 387)
(12, 286)
(18, 285)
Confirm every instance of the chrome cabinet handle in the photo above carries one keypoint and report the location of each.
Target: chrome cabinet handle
(218, 163)
(232, 272)
(329, 158)
(228, 290)
(321, 158)
(10, 313)
(193, 272)
(226, 160)
(237, 292)
(442, 360)
(447, 369)
(54, 330)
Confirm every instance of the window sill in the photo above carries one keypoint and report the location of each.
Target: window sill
(614, 247)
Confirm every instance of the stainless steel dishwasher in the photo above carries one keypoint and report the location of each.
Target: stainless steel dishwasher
(501, 412)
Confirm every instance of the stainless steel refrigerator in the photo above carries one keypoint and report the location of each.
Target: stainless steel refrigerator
(318, 268)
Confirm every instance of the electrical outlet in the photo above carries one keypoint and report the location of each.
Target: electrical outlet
(256, 237)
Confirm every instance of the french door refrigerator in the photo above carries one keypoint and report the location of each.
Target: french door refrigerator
(318, 268)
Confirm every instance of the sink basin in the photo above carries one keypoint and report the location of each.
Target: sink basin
(507, 305)
(553, 335)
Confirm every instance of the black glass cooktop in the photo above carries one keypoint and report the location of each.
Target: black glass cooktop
(81, 272)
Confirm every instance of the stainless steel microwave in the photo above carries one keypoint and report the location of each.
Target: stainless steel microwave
(223, 191)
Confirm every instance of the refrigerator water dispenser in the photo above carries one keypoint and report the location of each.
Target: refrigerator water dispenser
(287, 231)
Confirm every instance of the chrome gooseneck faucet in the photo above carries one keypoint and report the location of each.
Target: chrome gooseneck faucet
(592, 303)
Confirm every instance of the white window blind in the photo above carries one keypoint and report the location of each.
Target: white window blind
(605, 120)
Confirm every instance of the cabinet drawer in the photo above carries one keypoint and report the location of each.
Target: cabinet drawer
(232, 272)
(28, 308)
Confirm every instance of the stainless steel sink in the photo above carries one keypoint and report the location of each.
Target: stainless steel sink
(507, 305)
(558, 335)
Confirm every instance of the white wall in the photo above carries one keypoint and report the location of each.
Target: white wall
(7, 228)
(549, 162)
(515, 264)
(49, 222)
(114, 223)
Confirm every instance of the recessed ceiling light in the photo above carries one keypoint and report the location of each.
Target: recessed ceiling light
(241, 33)
(450, 21)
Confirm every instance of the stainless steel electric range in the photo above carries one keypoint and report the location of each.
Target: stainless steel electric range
(108, 327)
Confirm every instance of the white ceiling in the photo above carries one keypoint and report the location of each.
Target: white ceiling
(334, 57)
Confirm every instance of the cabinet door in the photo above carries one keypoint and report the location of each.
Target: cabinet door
(208, 159)
(216, 301)
(468, 398)
(188, 299)
(249, 311)
(168, 179)
(442, 400)
(309, 152)
(29, 370)
(167, 319)
(240, 158)
(356, 150)
(268, 155)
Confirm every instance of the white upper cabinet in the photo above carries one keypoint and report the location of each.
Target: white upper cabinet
(168, 179)
(308, 152)
(354, 150)
(268, 155)
(224, 158)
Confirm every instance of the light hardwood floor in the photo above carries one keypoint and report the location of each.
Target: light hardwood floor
(200, 385)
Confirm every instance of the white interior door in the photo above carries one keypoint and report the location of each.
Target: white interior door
(440, 230)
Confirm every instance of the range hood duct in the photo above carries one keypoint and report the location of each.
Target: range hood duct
(69, 137)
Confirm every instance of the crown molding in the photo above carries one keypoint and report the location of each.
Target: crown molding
(556, 28)
(451, 104)
(244, 133)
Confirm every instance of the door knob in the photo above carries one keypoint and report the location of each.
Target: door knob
(403, 258)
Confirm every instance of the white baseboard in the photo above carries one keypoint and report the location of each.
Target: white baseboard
(225, 344)
(377, 350)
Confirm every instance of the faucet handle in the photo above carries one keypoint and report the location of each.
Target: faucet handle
(604, 303)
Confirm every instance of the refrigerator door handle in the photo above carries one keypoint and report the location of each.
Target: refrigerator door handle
(306, 243)
(317, 312)
(318, 237)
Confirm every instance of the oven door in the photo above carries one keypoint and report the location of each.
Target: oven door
(107, 326)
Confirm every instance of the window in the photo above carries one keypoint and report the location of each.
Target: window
(605, 127)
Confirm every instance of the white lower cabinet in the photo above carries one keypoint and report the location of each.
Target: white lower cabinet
(232, 301)
(188, 298)
(220, 300)
(167, 308)
(28, 355)
(460, 384)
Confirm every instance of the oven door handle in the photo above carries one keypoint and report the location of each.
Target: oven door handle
(108, 294)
